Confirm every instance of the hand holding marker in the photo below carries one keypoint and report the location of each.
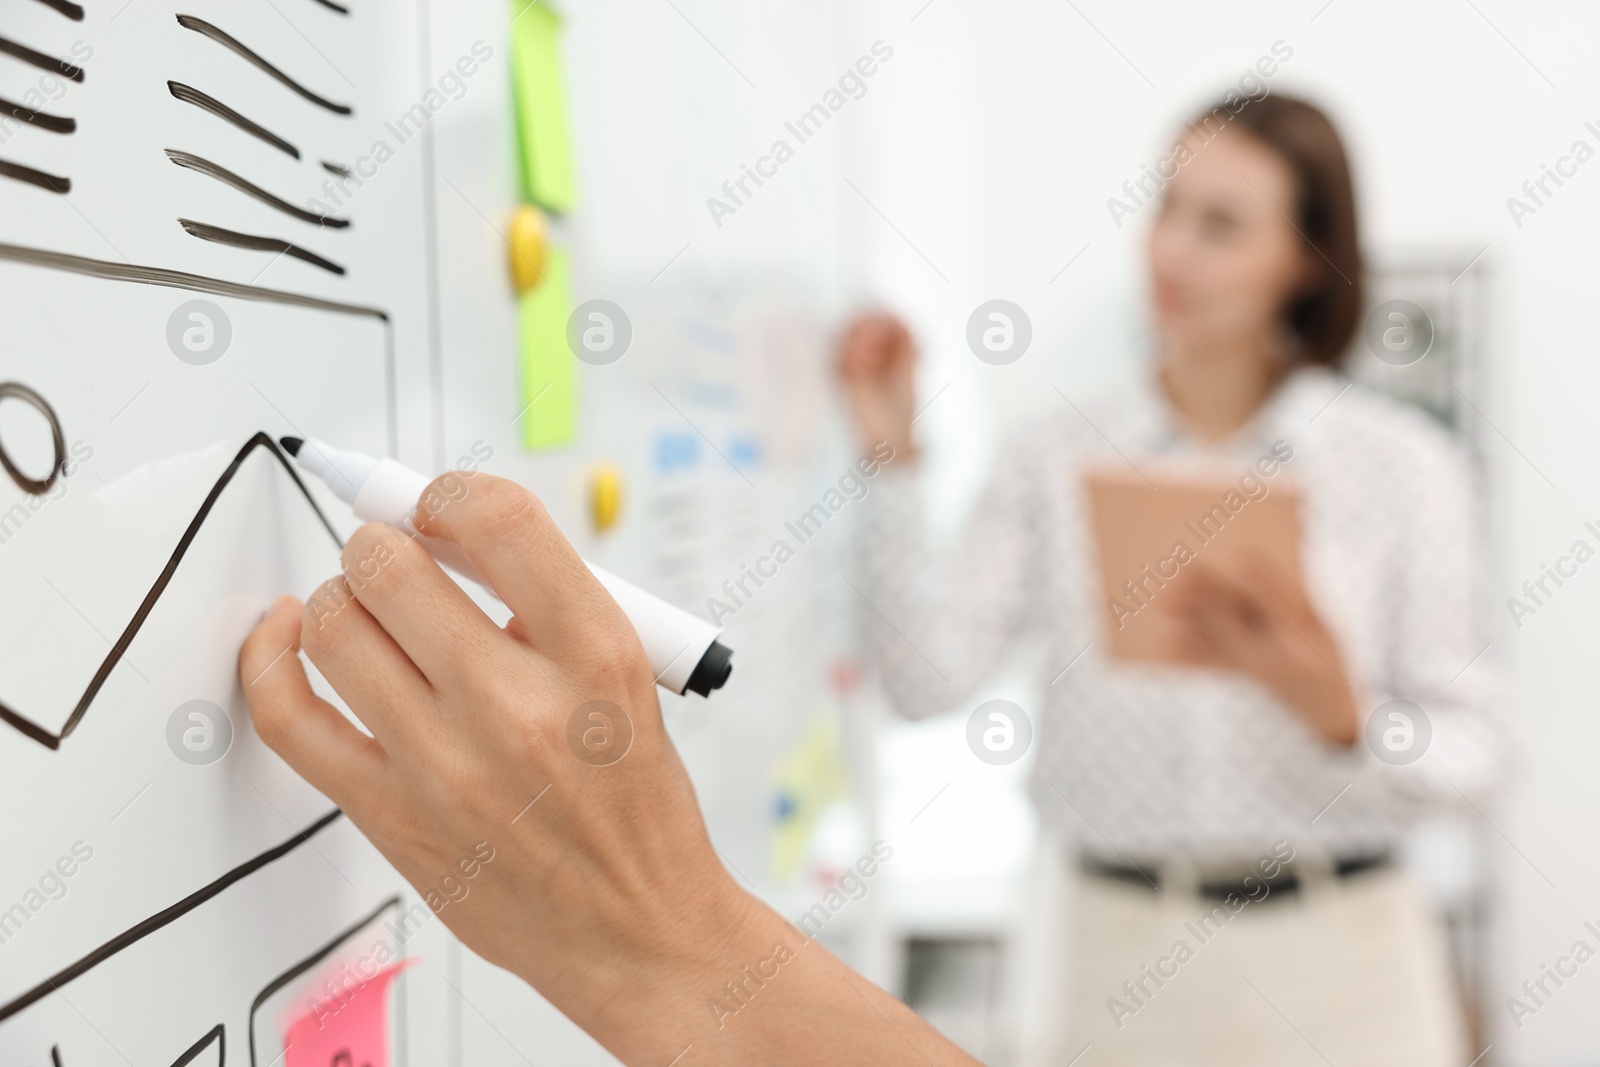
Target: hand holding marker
(683, 649)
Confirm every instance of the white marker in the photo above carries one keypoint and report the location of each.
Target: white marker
(684, 652)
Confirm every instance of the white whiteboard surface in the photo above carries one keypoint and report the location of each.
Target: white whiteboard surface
(193, 887)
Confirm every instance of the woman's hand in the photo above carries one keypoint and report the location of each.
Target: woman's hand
(543, 741)
(877, 363)
(1260, 621)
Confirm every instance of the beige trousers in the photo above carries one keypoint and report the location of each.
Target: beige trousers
(1350, 972)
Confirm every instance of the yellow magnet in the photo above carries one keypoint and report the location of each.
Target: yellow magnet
(529, 237)
(605, 496)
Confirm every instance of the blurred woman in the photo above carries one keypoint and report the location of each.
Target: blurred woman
(1233, 832)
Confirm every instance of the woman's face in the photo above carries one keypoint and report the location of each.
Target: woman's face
(1224, 257)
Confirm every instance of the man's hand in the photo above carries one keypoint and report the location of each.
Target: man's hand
(1262, 622)
(544, 740)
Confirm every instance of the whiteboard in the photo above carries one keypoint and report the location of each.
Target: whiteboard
(195, 886)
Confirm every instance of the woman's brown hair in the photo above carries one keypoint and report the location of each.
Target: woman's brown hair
(1325, 317)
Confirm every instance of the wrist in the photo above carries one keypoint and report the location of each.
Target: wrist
(653, 997)
(725, 981)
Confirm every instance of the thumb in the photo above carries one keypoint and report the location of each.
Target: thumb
(307, 731)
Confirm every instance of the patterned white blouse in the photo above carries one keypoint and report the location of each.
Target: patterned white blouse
(1159, 762)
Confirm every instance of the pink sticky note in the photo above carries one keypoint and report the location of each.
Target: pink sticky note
(349, 1028)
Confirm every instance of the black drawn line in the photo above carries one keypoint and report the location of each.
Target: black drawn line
(53, 123)
(199, 283)
(228, 177)
(309, 962)
(217, 1034)
(31, 729)
(336, 168)
(17, 172)
(331, 6)
(163, 917)
(201, 26)
(39, 59)
(190, 95)
(207, 232)
(66, 7)
(55, 1055)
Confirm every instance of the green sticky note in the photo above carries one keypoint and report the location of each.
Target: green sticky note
(545, 154)
(549, 371)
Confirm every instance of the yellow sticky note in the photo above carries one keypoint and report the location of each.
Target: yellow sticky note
(549, 371)
(546, 150)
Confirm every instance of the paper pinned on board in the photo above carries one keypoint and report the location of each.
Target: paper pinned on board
(544, 146)
(348, 1027)
(549, 373)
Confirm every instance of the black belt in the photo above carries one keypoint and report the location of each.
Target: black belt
(1247, 886)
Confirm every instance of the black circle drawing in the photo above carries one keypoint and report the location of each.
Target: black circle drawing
(58, 441)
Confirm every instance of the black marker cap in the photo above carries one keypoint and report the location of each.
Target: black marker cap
(712, 671)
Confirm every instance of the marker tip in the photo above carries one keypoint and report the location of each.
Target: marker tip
(291, 445)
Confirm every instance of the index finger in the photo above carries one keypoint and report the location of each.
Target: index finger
(510, 538)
